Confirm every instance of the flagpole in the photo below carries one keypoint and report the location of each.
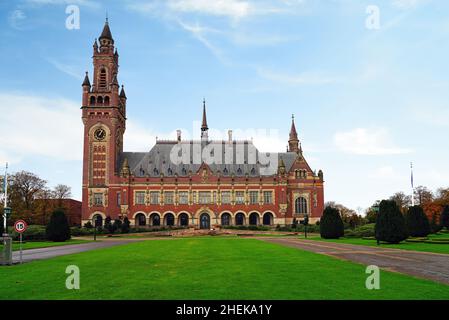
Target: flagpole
(413, 189)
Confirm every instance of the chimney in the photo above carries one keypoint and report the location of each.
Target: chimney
(178, 134)
(230, 136)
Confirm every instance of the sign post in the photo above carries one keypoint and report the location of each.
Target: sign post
(20, 226)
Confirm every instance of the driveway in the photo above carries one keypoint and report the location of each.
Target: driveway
(432, 266)
(51, 252)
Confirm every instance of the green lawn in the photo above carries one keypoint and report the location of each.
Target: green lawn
(426, 247)
(42, 244)
(209, 268)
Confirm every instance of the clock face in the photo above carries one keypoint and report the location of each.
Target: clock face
(100, 134)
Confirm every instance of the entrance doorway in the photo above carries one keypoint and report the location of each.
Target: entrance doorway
(204, 221)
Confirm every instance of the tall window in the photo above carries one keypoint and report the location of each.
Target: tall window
(225, 219)
(267, 197)
(98, 199)
(119, 199)
(239, 197)
(140, 197)
(204, 197)
(254, 197)
(225, 197)
(168, 197)
(183, 197)
(103, 78)
(301, 205)
(154, 197)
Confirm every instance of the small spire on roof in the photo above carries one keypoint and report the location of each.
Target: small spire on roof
(122, 92)
(86, 81)
(204, 123)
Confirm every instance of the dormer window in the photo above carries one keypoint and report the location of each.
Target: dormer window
(170, 171)
(253, 171)
(239, 171)
(155, 172)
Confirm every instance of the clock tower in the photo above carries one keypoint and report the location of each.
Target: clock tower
(104, 119)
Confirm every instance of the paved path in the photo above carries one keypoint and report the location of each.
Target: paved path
(50, 252)
(425, 265)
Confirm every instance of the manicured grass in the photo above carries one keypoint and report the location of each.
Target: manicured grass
(426, 247)
(42, 244)
(208, 268)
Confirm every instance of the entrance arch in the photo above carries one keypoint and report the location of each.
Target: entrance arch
(239, 219)
(205, 221)
(140, 220)
(225, 219)
(268, 219)
(183, 219)
(169, 219)
(254, 219)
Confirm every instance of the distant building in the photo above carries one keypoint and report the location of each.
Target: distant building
(45, 207)
(215, 183)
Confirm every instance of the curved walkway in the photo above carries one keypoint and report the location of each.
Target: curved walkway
(433, 266)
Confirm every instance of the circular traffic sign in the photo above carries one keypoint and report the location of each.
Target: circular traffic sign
(20, 226)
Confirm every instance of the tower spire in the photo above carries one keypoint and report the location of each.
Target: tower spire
(293, 141)
(204, 127)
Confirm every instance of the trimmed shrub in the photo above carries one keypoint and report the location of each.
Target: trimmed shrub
(58, 229)
(108, 224)
(331, 226)
(417, 222)
(88, 225)
(445, 218)
(390, 223)
(125, 225)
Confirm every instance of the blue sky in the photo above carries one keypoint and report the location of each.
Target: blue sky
(367, 101)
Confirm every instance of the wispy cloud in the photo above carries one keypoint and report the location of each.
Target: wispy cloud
(16, 19)
(67, 69)
(300, 79)
(86, 3)
(363, 141)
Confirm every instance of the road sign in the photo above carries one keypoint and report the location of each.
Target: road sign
(20, 226)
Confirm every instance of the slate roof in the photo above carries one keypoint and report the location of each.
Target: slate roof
(157, 160)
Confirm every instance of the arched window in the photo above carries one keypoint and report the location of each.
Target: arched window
(239, 219)
(254, 219)
(106, 101)
(183, 219)
(155, 172)
(155, 219)
(102, 80)
(141, 220)
(225, 171)
(225, 219)
(100, 100)
(239, 171)
(184, 171)
(268, 219)
(92, 101)
(169, 171)
(169, 219)
(301, 205)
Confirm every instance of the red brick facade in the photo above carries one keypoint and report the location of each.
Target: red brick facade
(149, 189)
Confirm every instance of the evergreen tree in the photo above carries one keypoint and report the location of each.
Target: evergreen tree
(58, 229)
(417, 222)
(331, 224)
(445, 217)
(125, 225)
(117, 225)
(390, 223)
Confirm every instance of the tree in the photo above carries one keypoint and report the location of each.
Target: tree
(402, 200)
(117, 225)
(61, 192)
(435, 226)
(445, 218)
(417, 222)
(423, 195)
(331, 224)
(390, 224)
(125, 225)
(58, 229)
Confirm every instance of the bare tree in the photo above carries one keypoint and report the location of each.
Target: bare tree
(402, 200)
(62, 191)
(423, 195)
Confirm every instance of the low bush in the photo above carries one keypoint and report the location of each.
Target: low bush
(364, 231)
(33, 233)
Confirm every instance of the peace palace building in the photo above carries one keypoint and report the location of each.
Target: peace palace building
(197, 183)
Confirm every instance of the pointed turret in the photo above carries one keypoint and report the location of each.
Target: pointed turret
(86, 82)
(106, 33)
(281, 166)
(122, 93)
(293, 141)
